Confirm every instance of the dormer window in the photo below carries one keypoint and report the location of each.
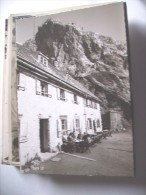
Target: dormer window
(43, 59)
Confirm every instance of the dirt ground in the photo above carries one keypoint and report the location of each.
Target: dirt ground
(113, 157)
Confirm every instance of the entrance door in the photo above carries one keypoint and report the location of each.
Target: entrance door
(44, 139)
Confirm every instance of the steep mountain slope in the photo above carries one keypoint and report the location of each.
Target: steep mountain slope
(98, 62)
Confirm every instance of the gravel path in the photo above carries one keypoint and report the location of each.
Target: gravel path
(114, 157)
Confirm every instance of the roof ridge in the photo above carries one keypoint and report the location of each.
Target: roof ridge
(31, 57)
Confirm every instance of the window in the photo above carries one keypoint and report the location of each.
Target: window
(95, 105)
(75, 99)
(43, 59)
(86, 102)
(89, 103)
(64, 124)
(89, 123)
(44, 89)
(92, 104)
(62, 94)
(21, 81)
(77, 124)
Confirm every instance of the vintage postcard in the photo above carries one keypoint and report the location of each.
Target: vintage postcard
(73, 98)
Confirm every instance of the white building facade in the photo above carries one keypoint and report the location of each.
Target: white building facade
(50, 106)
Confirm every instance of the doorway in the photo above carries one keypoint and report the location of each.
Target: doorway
(44, 135)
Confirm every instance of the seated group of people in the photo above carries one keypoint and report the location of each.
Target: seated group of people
(72, 143)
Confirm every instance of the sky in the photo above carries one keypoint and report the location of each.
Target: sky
(107, 20)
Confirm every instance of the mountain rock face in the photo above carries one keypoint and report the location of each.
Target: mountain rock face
(98, 62)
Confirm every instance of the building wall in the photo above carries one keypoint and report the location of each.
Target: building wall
(112, 120)
(32, 108)
(116, 121)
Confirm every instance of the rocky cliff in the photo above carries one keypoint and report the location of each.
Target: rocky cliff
(98, 62)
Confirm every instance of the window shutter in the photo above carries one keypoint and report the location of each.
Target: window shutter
(79, 124)
(72, 97)
(59, 132)
(84, 101)
(65, 95)
(89, 103)
(87, 125)
(22, 80)
(58, 93)
(50, 90)
(98, 123)
(38, 87)
(74, 127)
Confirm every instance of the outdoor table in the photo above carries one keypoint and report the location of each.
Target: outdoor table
(105, 133)
(79, 143)
(98, 138)
(78, 140)
(64, 146)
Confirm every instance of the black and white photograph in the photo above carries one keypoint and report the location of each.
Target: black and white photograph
(73, 93)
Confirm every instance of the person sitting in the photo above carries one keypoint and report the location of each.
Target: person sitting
(70, 143)
(65, 142)
(74, 135)
(84, 136)
(80, 144)
(80, 136)
(89, 139)
(86, 140)
(64, 137)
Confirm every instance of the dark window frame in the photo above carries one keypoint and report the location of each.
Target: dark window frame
(75, 99)
(62, 94)
(19, 87)
(77, 123)
(98, 123)
(90, 123)
(45, 86)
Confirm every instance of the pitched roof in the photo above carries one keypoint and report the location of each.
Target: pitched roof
(31, 56)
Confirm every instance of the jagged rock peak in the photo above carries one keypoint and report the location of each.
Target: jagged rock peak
(100, 63)
(31, 44)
